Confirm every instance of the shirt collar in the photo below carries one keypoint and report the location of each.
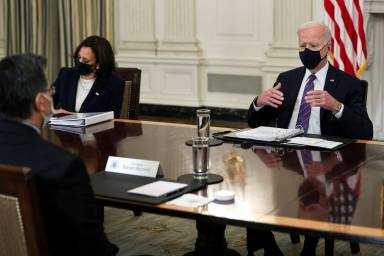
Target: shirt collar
(32, 126)
(320, 75)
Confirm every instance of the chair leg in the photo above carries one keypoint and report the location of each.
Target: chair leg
(355, 247)
(253, 241)
(329, 247)
(137, 213)
(310, 244)
(100, 211)
(262, 239)
(295, 238)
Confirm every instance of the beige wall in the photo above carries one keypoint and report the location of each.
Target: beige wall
(2, 28)
(179, 43)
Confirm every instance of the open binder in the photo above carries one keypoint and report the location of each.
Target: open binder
(265, 133)
(287, 138)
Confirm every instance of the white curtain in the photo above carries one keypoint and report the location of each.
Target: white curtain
(375, 73)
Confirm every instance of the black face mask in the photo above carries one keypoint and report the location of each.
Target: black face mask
(311, 59)
(82, 68)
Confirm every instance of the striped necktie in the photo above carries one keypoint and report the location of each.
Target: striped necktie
(305, 108)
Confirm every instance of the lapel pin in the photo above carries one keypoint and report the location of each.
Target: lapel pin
(332, 80)
(97, 94)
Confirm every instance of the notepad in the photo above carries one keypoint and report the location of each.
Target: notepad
(158, 188)
(82, 119)
(265, 133)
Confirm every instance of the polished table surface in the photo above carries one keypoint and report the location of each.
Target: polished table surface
(334, 194)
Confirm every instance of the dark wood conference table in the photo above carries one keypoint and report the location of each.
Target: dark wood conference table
(331, 194)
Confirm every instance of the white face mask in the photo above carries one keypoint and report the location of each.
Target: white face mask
(51, 112)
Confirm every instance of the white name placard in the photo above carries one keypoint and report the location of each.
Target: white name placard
(132, 166)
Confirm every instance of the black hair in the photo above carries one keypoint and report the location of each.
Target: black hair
(22, 76)
(103, 52)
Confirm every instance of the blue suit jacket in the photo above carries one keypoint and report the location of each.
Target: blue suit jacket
(354, 123)
(102, 97)
(69, 210)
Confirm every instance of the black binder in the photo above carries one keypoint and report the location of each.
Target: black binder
(116, 185)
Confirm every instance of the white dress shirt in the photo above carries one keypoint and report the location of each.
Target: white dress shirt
(83, 88)
(314, 119)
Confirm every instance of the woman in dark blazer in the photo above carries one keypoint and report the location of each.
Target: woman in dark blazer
(90, 86)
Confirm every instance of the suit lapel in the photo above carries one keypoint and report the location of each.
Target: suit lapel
(295, 91)
(290, 94)
(73, 83)
(95, 91)
(329, 86)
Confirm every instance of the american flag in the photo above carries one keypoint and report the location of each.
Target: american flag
(349, 48)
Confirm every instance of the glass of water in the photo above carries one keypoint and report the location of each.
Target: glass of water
(200, 157)
(203, 122)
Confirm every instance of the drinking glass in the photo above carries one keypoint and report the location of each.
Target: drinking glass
(200, 157)
(203, 122)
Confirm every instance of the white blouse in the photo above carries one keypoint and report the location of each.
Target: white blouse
(83, 88)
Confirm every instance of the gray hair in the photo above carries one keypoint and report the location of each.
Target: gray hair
(310, 24)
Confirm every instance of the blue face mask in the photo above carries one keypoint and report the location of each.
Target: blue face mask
(51, 112)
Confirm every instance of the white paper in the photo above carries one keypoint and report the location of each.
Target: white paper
(158, 188)
(190, 200)
(132, 166)
(314, 142)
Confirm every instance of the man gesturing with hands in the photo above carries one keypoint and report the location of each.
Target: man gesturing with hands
(317, 97)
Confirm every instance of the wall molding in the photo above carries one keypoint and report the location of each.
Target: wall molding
(374, 6)
(184, 80)
(2, 29)
(228, 114)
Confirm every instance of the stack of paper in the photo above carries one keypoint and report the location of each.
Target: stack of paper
(82, 119)
(84, 130)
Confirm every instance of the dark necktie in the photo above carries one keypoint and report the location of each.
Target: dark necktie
(306, 156)
(305, 108)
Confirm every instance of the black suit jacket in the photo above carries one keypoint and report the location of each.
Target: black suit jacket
(354, 122)
(104, 95)
(71, 222)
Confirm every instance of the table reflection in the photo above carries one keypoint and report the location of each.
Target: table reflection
(234, 165)
(275, 186)
(94, 147)
(331, 182)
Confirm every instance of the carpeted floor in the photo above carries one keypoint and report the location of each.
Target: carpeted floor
(167, 236)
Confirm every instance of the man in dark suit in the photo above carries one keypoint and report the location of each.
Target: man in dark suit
(316, 98)
(70, 217)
